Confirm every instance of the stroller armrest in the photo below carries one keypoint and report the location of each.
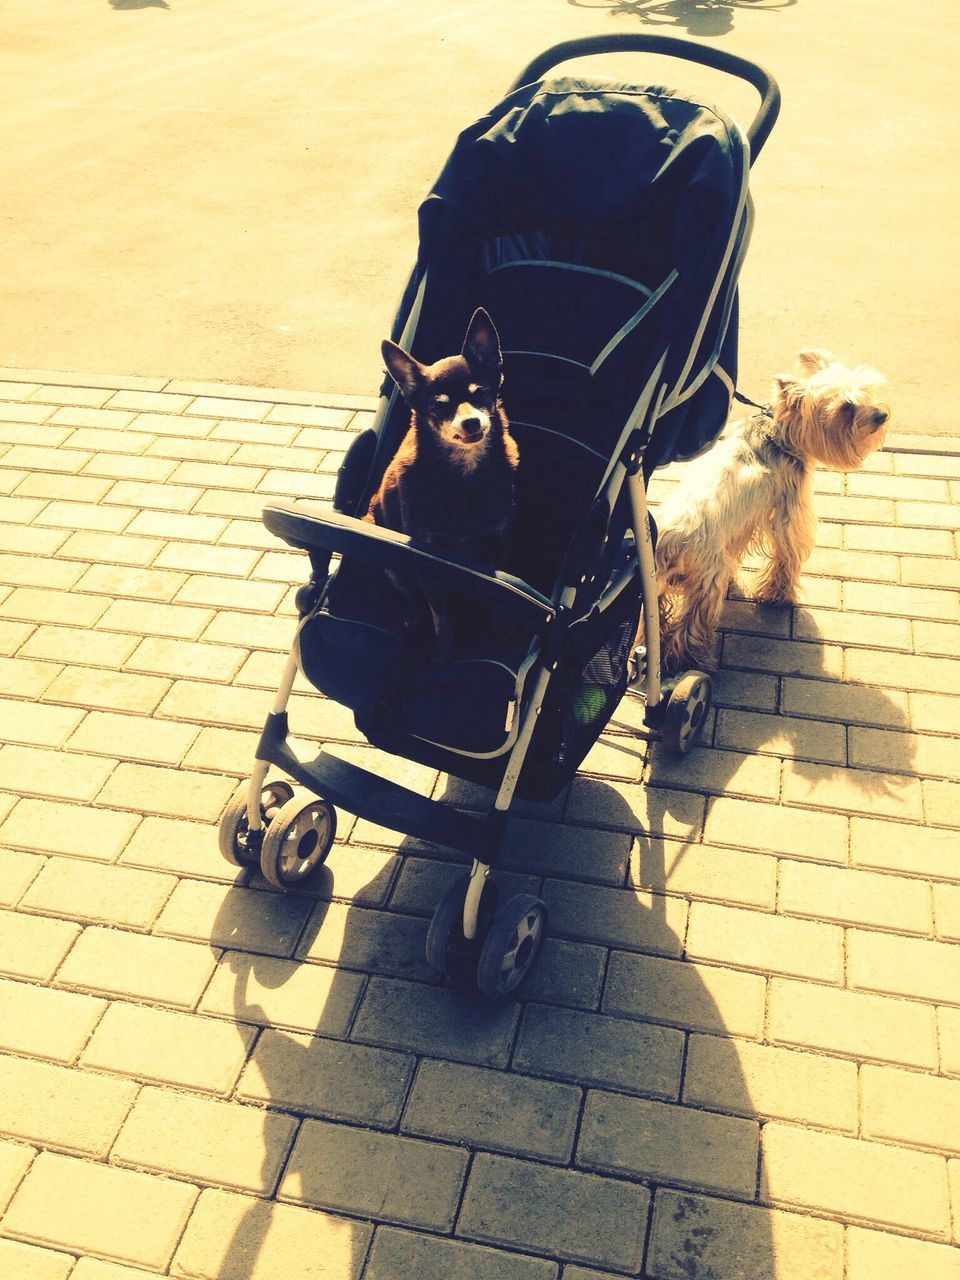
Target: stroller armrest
(310, 526)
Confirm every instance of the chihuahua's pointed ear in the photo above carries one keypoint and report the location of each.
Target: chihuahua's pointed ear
(481, 346)
(403, 369)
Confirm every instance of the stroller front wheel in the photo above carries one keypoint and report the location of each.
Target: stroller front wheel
(449, 953)
(237, 842)
(511, 946)
(297, 841)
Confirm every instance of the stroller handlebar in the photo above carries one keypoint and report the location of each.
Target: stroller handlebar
(690, 50)
(309, 525)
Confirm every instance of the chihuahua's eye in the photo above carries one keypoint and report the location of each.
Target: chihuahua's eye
(878, 420)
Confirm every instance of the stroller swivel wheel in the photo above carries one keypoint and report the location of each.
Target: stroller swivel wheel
(297, 841)
(449, 953)
(686, 711)
(511, 947)
(238, 844)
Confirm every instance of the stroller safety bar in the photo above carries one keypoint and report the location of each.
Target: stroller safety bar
(689, 50)
(310, 526)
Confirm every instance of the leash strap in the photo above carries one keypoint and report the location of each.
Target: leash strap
(764, 408)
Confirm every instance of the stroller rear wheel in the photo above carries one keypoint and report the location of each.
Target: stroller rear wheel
(297, 841)
(237, 842)
(512, 945)
(686, 711)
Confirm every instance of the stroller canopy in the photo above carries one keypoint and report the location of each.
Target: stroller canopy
(637, 199)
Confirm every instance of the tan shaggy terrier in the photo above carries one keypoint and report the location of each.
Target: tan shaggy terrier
(751, 492)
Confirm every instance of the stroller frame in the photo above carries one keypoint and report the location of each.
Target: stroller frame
(469, 939)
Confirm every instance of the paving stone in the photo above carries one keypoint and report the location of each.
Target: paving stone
(904, 966)
(83, 515)
(852, 1023)
(903, 847)
(566, 973)
(159, 1045)
(68, 644)
(185, 848)
(31, 947)
(760, 940)
(327, 1078)
(59, 1107)
(405, 1253)
(901, 671)
(848, 703)
(70, 490)
(27, 1262)
(717, 772)
(15, 1160)
(909, 1108)
(695, 1236)
(630, 807)
(668, 1143)
(397, 1179)
(13, 635)
(98, 894)
(616, 917)
(17, 871)
(750, 1079)
(493, 1110)
(236, 1237)
(853, 1178)
(270, 992)
(448, 1023)
(193, 557)
(35, 604)
(30, 571)
(855, 897)
(59, 774)
(559, 1212)
(128, 736)
(84, 1207)
(220, 705)
(45, 1023)
(550, 848)
(77, 830)
(872, 1255)
(148, 618)
(787, 736)
(269, 923)
(941, 803)
(783, 657)
(210, 1141)
(112, 961)
(170, 792)
(373, 941)
(46, 726)
(922, 571)
(769, 828)
(679, 993)
(905, 753)
(107, 690)
(903, 602)
(592, 1048)
(946, 910)
(704, 871)
(24, 678)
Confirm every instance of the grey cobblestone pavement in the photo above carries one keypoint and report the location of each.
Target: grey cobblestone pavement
(740, 1056)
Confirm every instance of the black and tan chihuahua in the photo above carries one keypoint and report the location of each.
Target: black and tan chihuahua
(451, 483)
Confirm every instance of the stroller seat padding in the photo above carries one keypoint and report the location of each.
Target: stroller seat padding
(354, 649)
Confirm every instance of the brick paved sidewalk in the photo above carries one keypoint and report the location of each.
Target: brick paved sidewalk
(740, 1056)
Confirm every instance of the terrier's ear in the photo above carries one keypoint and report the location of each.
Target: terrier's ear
(406, 372)
(789, 392)
(813, 359)
(481, 347)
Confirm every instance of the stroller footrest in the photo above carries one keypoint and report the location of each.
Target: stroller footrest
(370, 796)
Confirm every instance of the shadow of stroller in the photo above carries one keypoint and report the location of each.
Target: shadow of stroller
(698, 17)
(412, 1099)
(139, 4)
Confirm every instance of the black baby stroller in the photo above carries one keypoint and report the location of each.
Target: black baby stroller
(603, 226)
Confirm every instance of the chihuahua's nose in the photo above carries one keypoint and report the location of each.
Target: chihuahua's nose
(471, 428)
